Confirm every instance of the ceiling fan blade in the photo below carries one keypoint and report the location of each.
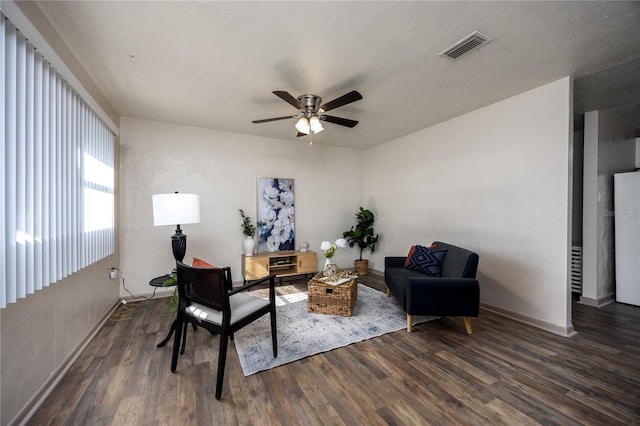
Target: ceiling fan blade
(266, 120)
(286, 96)
(338, 120)
(342, 100)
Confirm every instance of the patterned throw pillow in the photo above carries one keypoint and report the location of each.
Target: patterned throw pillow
(412, 250)
(427, 261)
(199, 263)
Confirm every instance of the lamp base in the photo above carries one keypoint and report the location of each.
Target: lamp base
(179, 244)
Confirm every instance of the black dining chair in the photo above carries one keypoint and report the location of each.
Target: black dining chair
(208, 300)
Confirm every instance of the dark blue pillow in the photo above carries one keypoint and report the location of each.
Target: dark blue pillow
(426, 260)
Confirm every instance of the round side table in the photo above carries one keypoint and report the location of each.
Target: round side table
(158, 282)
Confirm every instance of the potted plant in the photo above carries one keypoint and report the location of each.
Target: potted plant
(172, 303)
(249, 231)
(329, 250)
(362, 235)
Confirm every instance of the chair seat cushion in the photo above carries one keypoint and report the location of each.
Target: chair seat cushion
(241, 306)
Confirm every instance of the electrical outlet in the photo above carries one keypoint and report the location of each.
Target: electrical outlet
(386, 248)
(113, 273)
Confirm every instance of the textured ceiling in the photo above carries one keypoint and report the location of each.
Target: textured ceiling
(215, 64)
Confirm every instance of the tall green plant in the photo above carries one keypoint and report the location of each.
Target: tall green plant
(362, 233)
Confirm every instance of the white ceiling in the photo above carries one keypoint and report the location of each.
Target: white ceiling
(214, 64)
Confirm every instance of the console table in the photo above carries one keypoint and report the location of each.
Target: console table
(279, 263)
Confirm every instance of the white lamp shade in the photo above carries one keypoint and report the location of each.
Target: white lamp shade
(175, 209)
(303, 126)
(315, 125)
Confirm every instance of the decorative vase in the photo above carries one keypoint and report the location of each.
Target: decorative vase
(249, 246)
(330, 268)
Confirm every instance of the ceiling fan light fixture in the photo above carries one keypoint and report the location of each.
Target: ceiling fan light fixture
(315, 125)
(311, 111)
(303, 126)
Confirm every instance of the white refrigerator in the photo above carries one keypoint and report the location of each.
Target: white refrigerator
(627, 236)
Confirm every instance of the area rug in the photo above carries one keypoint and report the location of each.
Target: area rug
(302, 334)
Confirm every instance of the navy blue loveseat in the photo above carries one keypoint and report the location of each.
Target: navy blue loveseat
(455, 293)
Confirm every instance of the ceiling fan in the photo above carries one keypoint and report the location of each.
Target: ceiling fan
(312, 111)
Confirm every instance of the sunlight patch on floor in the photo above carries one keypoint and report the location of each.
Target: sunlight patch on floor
(290, 298)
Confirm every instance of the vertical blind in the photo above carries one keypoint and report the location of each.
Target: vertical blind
(57, 182)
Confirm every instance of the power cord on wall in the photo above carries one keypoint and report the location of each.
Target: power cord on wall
(125, 310)
(133, 297)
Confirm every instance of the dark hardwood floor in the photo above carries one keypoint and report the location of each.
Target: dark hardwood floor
(505, 373)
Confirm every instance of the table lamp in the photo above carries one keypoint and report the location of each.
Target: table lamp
(176, 209)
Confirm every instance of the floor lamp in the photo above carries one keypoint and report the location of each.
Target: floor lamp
(176, 209)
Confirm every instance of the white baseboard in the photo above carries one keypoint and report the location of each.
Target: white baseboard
(553, 328)
(597, 303)
(38, 398)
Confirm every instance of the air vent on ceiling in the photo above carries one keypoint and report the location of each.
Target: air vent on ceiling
(472, 42)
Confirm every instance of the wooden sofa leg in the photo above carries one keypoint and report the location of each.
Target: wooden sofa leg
(467, 324)
(409, 323)
(388, 292)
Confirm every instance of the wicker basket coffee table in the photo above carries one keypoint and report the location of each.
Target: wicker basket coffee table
(331, 299)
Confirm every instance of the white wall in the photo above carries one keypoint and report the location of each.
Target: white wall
(495, 181)
(222, 168)
(590, 210)
(610, 149)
